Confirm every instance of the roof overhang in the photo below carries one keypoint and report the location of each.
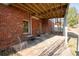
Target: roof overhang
(43, 10)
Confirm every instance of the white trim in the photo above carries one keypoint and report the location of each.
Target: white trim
(65, 30)
(65, 27)
(66, 36)
(28, 27)
(35, 18)
(31, 26)
(40, 27)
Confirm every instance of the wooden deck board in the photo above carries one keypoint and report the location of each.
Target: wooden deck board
(60, 50)
(41, 47)
(66, 52)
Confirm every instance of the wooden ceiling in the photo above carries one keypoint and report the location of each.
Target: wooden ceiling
(43, 10)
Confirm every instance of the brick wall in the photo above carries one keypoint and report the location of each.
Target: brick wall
(11, 25)
(36, 26)
(50, 25)
(46, 26)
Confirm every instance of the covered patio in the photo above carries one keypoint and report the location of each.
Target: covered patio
(38, 28)
(46, 11)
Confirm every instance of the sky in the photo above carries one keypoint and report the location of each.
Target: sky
(76, 5)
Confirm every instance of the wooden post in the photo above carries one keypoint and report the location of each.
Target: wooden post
(77, 52)
(65, 27)
(65, 30)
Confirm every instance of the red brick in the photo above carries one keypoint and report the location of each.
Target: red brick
(11, 25)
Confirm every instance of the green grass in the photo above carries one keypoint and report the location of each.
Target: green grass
(7, 52)
(72, 44)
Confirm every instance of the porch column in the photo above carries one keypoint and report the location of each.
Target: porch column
(65, 30)
(77, 52)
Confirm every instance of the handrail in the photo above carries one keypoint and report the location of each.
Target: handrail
(77, 52)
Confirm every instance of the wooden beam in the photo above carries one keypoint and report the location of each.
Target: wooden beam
(37, 7)
(27, 8)
(41, 10)
(17, 6)
(30, 6)
(42, 6)
(49, 11)
(52, 10)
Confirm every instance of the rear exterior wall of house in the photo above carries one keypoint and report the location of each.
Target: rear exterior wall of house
(11, 25)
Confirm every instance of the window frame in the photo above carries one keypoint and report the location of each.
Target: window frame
(28, 27)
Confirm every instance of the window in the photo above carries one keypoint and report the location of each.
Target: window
(26, 26)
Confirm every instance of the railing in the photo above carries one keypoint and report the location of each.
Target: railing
(77, 34)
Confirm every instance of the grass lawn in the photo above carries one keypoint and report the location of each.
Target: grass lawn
(7, 52)
(72, 44)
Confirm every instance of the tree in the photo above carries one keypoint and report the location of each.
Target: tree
(72, 17)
